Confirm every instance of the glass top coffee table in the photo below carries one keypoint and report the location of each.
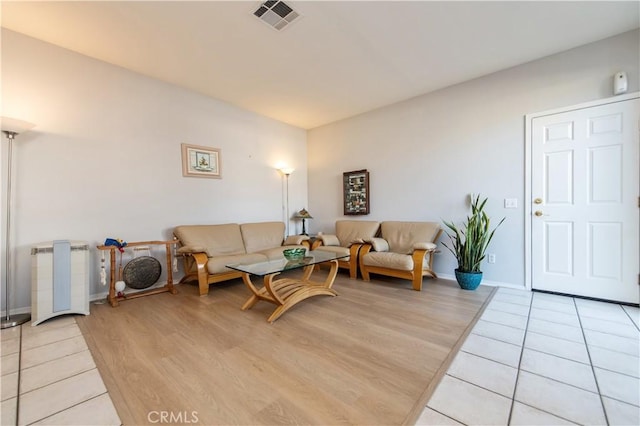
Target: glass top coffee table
(287, 292)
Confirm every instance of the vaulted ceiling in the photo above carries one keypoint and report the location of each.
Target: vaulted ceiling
(339, 59)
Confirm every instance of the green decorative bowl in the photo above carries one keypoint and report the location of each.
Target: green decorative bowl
(294, 253)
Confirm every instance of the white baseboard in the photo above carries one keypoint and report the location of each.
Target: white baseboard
(98, 296)
(103, 295)
(486, 282)
(25, 310)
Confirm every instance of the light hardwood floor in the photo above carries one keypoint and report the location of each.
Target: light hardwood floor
(372, 355)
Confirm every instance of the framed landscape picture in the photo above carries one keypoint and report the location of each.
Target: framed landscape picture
(356, 192)
(200, 161)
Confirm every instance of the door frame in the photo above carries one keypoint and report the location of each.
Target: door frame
(528, 166)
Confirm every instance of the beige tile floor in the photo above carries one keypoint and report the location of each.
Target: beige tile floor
(48, 377)
(542, 359)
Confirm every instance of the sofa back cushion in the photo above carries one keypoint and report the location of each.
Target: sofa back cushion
(217, 240)
(401, 236)
(262, 236)
(351, 231)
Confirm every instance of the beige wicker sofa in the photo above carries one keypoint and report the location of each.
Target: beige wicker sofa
(403, 250)
(207, 249)
(349, 236)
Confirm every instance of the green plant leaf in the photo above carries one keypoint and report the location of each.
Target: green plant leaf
(469, 242)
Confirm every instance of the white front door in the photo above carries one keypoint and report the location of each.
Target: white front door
(584, 188)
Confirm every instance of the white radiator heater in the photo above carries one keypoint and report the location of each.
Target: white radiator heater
(59, 279)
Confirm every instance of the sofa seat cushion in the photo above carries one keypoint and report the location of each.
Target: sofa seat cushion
(262, 236)
(217, 240)
(402, 262)
(276, 252)
(337, 250)
(355, 231)
(217, 265)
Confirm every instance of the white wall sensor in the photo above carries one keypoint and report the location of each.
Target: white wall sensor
(620, 83)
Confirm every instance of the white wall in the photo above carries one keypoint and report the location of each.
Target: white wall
(425, 155)
(105, 159)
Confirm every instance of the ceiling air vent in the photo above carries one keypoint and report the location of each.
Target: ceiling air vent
(277, 14)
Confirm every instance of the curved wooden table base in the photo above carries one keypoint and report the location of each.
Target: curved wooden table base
(287, 292)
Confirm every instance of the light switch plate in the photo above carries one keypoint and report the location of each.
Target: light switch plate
(510, 203)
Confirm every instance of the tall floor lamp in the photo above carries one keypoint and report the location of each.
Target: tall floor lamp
(286, 172)
(11, 128)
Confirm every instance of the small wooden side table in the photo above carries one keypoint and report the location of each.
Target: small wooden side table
(113, 298)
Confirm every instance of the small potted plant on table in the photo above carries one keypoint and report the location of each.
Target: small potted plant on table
(469, 244)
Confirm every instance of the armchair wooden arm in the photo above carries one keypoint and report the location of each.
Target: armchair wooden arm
(195, 268)
(317, 243)
(351, 264)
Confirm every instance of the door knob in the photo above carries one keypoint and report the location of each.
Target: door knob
(538, 201)
(538, 213)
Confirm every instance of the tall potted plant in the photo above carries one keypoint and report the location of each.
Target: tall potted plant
(469, 243)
